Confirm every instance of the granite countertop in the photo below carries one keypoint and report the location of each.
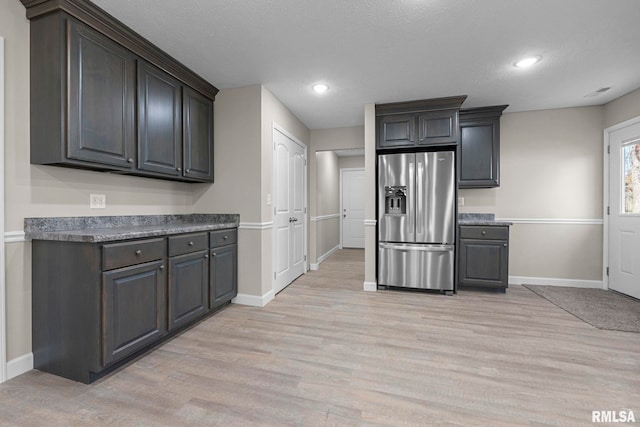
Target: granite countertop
(480, 219)
(111, 228)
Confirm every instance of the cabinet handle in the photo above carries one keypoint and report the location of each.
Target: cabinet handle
(179, 169)
(505, 245)
(188, 170)
(484, 232)
(225, 237)
(190, 243)
(206, 256)
(130, 160)
(213, 254)
(162, 267)
(138, 252)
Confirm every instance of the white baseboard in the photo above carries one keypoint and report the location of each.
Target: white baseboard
(550, 281)
(370, 286)
(19, 365)
(316, 266)
(254, 301)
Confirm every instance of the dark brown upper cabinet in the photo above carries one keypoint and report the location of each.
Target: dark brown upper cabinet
(104, 98)
(418, 123)
(480, 147)
(159, 121)
(197, 118)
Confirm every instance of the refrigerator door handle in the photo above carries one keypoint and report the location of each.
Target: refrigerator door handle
(411, 226)
(426, 248)
(420, 201)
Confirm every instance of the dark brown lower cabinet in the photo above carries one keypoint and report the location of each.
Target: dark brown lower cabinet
(223, 271)
(188, 288)
(484, 257)
(97, 305)
(224, 266)
(134, 308)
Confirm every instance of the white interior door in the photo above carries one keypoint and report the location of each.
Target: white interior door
(352, 208)
(624, 208)
(289, 210)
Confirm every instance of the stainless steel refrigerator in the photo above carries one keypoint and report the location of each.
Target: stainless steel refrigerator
(416, 220)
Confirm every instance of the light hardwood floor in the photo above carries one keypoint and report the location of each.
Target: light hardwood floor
(324, 352)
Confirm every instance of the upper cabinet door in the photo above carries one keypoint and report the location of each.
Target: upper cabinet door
(101, 88)
(396, 130)
(479, 152)
(197, 124)
(159, 121)
(438, 127)
(480, 147)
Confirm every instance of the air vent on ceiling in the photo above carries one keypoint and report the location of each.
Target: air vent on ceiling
(597, 92)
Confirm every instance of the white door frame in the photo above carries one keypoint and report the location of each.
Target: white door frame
(282, 130)
(3, 312)
(341, 207)
(605, 195)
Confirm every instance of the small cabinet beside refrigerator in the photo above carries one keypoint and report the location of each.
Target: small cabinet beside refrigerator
(416, 220)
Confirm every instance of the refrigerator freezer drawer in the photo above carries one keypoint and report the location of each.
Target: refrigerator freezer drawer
(416, 266)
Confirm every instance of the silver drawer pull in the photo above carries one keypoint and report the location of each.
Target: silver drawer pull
(213, 254)
(138, 252)
(190, 243)
(225, 237)
(206, 256)
(162, 267)
(484, 232)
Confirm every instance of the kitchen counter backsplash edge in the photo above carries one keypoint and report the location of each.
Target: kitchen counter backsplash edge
(109, 228)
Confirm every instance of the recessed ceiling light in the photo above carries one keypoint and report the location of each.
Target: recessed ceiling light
(527, 62)
(320, 88)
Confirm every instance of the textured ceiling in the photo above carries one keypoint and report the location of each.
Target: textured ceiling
(373, 51)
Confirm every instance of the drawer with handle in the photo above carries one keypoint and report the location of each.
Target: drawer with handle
(224, 237)
(489, 232)
(116, 255)
(185, 244)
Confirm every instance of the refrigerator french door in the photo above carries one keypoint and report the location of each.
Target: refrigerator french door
(416, 220)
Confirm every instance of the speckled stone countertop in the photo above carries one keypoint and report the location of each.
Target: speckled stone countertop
(93, 229)
(480, 219)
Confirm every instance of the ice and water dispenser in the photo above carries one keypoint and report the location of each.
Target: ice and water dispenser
(395, 200)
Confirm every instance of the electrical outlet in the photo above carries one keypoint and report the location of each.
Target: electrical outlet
(460, 201)
(97, 201)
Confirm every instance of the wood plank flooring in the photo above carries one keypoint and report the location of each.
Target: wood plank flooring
(324, 352)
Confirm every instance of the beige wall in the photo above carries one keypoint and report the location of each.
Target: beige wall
(622, 109)
(328, 202)
(237, 171)
(551, 169)
(370, 197)
(351, 162)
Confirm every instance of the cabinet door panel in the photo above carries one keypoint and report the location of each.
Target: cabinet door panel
(396, 130)
(197, 116)
(438, 127)
(134, 309)
(484, 263)
(101, 85)
(479, 154)
(159, 121)
(188, 288)
(223, 282)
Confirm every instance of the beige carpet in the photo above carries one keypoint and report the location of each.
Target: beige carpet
(597, 307)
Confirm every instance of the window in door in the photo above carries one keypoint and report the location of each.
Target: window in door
(631, 177)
